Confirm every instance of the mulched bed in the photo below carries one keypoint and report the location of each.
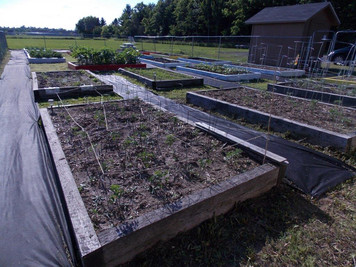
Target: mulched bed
(324, 87)
(333, 118)
(149, 158)
(65, 78)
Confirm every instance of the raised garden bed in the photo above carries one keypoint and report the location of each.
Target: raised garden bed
(151, 176)
(162, 62)
(104, 67)
(328, 93)
(47, 85)
(43, 60)
(104, 59)
(269, 70)
(201, 60)
(318, 123)
(160, 79)
(240, 76)
(351, 80)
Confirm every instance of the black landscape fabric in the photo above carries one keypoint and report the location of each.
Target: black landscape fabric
(312, 172)
(33, 226)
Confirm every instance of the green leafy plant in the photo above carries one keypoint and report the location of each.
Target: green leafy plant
(313, 103)
(170, 139)
(203, 163)
(43, 53)
(219, 69)
(146, 157)
(157, 176)
(117, 192)
(88, 56)
(335, 113)
(234, 154)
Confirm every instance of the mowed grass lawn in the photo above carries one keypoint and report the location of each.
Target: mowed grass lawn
(231, 54)
(61, 43)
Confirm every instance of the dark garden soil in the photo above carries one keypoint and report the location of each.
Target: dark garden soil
(66, 78)
(163, 60)
(149, 158)
(349, 90)
(330, 117)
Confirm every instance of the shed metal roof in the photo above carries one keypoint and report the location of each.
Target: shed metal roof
(292, 14)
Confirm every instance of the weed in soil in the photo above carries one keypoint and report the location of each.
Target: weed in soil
(149, 158)
(65, 78)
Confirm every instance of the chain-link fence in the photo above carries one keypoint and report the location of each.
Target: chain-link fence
(312, 53)
(286, 51)
(3, 45)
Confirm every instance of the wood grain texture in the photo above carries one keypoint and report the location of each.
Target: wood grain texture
(84, 231)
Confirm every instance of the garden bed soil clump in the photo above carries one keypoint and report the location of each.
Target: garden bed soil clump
(348, 90)
(66, 79)
(330, 117)
(147, 157)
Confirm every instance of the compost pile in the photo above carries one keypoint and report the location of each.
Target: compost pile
(145, 158)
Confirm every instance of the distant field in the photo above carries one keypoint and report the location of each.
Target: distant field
(61, 43)
(232, 54)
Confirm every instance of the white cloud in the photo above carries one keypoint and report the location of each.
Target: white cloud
(59, 14)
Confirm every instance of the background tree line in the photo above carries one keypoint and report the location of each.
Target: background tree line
(36, 30)
(197, 17)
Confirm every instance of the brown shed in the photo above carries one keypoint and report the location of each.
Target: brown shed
(282, 33)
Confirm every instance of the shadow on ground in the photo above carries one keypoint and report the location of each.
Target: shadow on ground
(236, 237)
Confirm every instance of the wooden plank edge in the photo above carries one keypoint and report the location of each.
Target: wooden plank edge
(122, 243)
(84, 231)
(346, 138)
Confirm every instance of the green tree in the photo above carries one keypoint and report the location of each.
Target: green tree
(97, 31)
(125, 22)
(86, 25)
(102, 22)
(162, 18)
(187, 13)
(107, 31)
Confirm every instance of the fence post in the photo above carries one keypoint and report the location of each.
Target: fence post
(172, 45)
(219, 47)
(308, 52)
(192, 46)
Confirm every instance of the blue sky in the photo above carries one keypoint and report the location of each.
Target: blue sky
(59, 13)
